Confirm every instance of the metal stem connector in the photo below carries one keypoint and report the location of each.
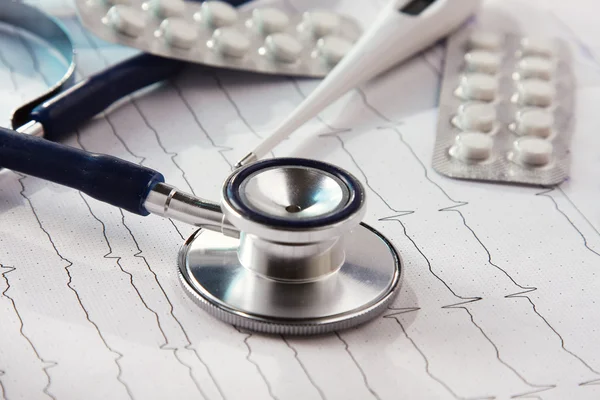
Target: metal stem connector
(247, 159)
(32, 128)
(167, 201)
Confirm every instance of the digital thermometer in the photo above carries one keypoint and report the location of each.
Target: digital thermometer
(401, 30)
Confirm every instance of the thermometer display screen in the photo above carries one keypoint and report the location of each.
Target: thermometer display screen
(416, 7)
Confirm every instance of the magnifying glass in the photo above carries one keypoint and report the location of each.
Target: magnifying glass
(23, 27)
(63, 106)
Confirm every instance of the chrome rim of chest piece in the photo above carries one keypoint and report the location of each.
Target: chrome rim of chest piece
(303, 262)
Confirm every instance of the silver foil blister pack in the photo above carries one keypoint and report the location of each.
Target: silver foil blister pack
(505, 112)
(262, 39)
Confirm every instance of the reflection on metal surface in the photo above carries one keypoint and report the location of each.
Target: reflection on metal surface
(294, 192)
(366, 282)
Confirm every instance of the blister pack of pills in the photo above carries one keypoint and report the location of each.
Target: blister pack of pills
(505, 111)
(265, 39)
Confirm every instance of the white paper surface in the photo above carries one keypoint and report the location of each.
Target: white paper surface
(501, 288)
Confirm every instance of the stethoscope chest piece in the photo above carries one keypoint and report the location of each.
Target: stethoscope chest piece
(303, 262)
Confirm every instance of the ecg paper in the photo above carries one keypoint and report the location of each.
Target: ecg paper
(501, 287)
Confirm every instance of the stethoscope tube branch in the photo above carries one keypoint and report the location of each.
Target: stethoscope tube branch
(106, 178)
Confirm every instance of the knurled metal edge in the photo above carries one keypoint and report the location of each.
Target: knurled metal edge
(284, 327)
(258, 324)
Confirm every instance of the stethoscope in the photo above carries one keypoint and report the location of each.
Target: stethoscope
(284, 251)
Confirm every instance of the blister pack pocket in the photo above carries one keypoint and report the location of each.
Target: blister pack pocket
(264, 39)
(505, 112)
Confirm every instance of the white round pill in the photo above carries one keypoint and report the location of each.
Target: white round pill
(230, 42)
(179, 33)
(535, 46)
(535, 67)
(321, 22)
(535, 122)
(482, 61)
(333, 48)
(283, 47)
(479, 117)
(535, 92)
(478, 87)
(166, 8)
(270, 20)
(217, 14)
(485, 40)
(472, 146)
(126, 20)
(532, 150)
